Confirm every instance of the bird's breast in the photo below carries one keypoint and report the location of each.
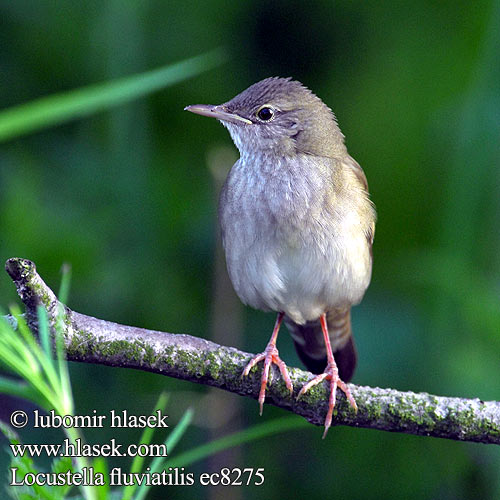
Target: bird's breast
(287, 246)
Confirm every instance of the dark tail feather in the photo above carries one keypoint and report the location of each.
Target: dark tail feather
(310, 344)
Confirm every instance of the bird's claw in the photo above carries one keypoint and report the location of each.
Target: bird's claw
(331, 374)
(269, 356)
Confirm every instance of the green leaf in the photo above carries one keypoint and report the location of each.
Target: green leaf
(61, 464)
(59, 108)
(170, 442)
(20, 389)
(24, 464)
(65, 283)
(179, 430)
(253, 433)
(101, 466)
(43, 331)
(147, 435)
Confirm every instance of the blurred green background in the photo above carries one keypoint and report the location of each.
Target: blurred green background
(128, 198)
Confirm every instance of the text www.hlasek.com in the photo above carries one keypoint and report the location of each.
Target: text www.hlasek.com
(79, 449)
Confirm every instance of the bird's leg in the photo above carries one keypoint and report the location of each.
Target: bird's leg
(270, 355)
(331, 373)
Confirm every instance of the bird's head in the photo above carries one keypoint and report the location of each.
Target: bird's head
(278, 116)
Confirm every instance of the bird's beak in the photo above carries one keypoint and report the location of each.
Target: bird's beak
(219, 112)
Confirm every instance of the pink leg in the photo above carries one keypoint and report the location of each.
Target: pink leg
(270, 355)
(331, 373)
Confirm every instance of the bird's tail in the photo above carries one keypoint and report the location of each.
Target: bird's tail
(310, 344)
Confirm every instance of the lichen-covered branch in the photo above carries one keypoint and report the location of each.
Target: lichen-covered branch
(92, 340)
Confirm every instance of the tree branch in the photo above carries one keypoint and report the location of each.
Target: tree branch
(92, 340)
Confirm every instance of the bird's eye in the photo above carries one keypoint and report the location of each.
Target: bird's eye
(265, 114)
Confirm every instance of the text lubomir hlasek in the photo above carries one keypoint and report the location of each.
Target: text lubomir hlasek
(114, 419)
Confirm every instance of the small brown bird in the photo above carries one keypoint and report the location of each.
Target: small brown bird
(297, 226)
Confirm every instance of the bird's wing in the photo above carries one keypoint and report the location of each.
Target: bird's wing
(355, 168)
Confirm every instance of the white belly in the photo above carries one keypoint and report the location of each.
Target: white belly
(302, 278)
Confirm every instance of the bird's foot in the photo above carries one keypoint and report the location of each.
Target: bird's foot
(331, 373)
(270, 355)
